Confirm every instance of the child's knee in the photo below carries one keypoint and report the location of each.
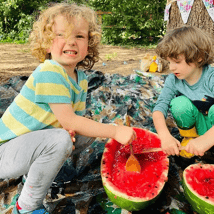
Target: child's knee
(62, 141)
(180, 104)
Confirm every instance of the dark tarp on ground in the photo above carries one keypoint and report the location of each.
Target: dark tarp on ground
(110, 99)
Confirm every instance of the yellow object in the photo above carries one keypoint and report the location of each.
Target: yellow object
(184, 153)
(189, 132)
(151, 64)
(188, 135)
(154, 66)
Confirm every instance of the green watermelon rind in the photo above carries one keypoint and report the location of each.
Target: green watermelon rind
(128, 202)
(202, 206)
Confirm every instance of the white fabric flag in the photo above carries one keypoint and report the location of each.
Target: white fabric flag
(185, 7)
(210, 8)
(166, 12)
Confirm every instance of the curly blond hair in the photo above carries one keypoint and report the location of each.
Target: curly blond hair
(192, 42)
(42, 35)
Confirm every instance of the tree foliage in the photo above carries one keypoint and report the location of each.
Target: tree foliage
(17, 17)
(132, 21)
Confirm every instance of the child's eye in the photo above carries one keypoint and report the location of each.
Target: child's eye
(60, 34)
(80, 36)
(176, 61)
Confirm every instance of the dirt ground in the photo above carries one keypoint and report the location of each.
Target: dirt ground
(16, 59)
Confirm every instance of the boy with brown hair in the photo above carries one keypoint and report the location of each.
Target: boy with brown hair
(188, 91)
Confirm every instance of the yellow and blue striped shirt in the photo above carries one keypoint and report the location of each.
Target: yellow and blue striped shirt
(30, 110)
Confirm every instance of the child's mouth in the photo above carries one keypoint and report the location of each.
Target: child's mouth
(70, 52)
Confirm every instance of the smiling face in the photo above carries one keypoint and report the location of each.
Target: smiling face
(189, 72)
(68, 51)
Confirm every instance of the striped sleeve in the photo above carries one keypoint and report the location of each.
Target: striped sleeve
(51, 85)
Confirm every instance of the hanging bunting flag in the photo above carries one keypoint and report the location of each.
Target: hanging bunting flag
(167, 8)
(166, 12)
(185, 7)
(210, 8)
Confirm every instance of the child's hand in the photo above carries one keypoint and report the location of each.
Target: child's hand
(198, 146)
(169, 144)
(72, 134)
(125, 134)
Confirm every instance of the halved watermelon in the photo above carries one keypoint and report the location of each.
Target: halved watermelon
(198, 183)
(131, 190)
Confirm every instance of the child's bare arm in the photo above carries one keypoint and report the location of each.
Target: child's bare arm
(84, 126)
(200, 145)
(169, 144)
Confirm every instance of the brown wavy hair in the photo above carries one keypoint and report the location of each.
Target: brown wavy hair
(190, 41)
(42, 35)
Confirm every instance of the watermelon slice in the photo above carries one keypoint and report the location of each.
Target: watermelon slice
(131, 190)
(198, 183)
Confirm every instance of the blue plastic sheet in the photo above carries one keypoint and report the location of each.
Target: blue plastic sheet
(78, 186)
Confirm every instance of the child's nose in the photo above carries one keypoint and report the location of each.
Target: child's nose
(71, 41)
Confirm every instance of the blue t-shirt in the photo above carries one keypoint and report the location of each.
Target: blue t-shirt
(174, 87)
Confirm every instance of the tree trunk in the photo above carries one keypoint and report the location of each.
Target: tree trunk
(198, 17)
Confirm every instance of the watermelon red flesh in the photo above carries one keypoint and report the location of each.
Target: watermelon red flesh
(201, 180)
(146, 184)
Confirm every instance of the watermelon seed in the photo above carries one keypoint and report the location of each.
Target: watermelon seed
(207, 197)
(156, 187)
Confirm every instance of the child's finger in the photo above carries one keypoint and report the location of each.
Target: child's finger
(170, 152)
(201, 153)
(178, 148)
(177, 152)
(72, 133)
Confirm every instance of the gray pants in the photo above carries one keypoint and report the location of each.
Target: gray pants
(40, 155)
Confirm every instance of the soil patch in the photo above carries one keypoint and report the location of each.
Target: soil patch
(16, 60)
